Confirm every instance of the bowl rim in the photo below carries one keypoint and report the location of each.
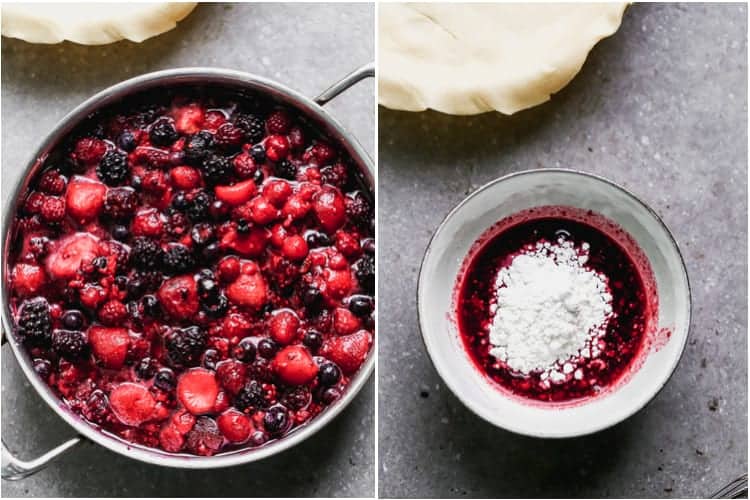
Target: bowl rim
(111, 94)
(543, 171)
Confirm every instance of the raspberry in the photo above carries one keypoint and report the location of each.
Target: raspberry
(296, 138)
(198, 208)
(251, 125)
(34, 202)
(277, 147)
(53, 209)
(251, 396)
(177, 224)
(34, 322)
(229, 136)
(279, 122)
(364, 270)
(185, 346)
(297, 398)
(112, 313)
(178, 259)
(120, 203)
(215, 169)
(113, 168)
(88, 151)
(145, 253)
(154, 181)
(231, 375)
(162, 132)
(323, 153)
(70, 344)
(244, 166)
(52, 182)
(154, 158)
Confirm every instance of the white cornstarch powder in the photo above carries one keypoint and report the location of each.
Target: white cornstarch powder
(551, 311)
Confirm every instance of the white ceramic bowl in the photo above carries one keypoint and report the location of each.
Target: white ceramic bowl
(500, 199)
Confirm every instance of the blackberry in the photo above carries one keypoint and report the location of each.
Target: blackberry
(250, 396)
(285, 170)
(204, 438)
(296, 398)
(145, 253)
(120, 203)
(70, 344)
(335, 175)
(198, 209)
(251, 125)
(359, 210)
(162, 132)
(185, 346)
(143, 282)
(276, 420)
(178, 259)
(198, 147)
(364, 270)
(177, 225)
(113, 168)
(216, 168)
(261, 371)
(258, 152)
(34, 322)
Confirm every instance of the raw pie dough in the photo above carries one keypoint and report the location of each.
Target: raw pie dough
(91, 24)
(465, 59)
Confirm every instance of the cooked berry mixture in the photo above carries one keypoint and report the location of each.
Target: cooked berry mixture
(194, 271)
(529, 286)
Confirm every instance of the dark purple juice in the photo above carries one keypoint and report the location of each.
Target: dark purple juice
(625, 332)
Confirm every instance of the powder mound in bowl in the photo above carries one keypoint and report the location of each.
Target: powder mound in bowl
(551, 310)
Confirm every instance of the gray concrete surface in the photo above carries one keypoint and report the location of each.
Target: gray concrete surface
(306, 46)
(660, 107)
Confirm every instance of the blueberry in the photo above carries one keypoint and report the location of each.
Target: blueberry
(312, 298)
(180, 202)
(165, 380)
(120, 233)
(316, 239)
(329, 374)
(313, 339)
(258, 438)
(330, 395)
(258, 176)
(126, 141)
(217, 307)
(135, 287)
(361, 305)
(73, 320)
(267, 348)
(245, 350)
(151, 305)
(258, 152)
(211, 252)
(42, 367)
(145, 369)
(243, 226)
(275, 420)
(210, 358)
(208, 289)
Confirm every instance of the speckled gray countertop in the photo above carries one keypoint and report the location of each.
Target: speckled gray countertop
(661, 108)
(305, 46)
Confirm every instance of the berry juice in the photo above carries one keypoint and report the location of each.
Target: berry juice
(611, 252)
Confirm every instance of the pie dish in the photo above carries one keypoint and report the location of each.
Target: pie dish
(465, 59)
(91, 23)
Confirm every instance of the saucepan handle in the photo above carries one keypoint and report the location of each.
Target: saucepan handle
(366, 71)
(13, 468)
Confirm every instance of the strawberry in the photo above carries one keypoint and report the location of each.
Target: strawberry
(236, 194)
(231, 374)
(148, 222)
(348, 351)
(110, 345)
(279, 122)
(188, 119)
(179, 296)
(228, 268)
(170, 439)
(85, 198)
(344, 321)
(70, 253)
(294, 365)
(283, 326)
(92, 295)
(235, 325)
(88, 151)
(277, 147)
(338, 284)
(261, 211)
(251, 244)
(185, 178)
(27, 279)
(277, 192)
(295, 207)
(150, 157)
(235, 426)
(347, 244)
(248, 290)
(112, 313)
(294, 247)
(182, 421)
(197, 391)
(132, 403)
(330, 207)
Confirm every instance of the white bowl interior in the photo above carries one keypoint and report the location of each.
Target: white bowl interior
(507, 196)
